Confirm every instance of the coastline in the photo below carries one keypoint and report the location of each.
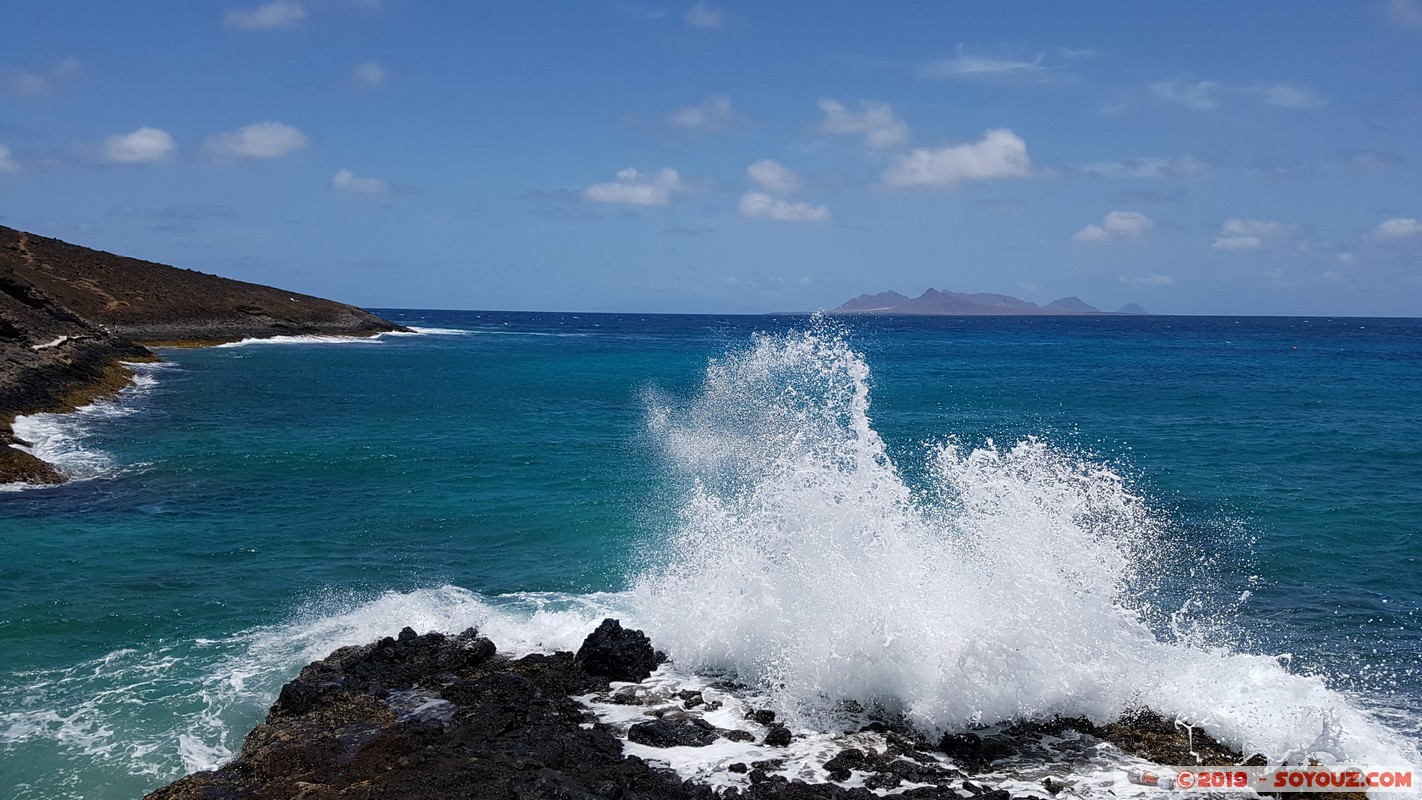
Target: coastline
(70, 317)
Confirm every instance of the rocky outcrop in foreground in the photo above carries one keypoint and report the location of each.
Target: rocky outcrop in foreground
(435, 716)
(70, 317)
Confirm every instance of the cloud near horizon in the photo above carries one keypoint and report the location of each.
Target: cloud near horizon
(1115, 226)
(143, 146)
(634, 188)
(269, 16)
(42, 82)
(346, 181)
(1251, 234)
(999, 154)
(261, 140)
(714, 115)
(772, 176)
(1397, 229)
(875, 120)
(758, 205)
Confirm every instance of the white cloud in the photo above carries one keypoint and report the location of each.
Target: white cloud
(1116, 225)
(143, 146)
(37, 83)
(1238, 243)
(1191, 95)
(876, 121)
(999, 154)
(347, 181)
(1332, 277)
(262, 140)
(1263, 228)
(637, 188)
(1186, 166)
(1346, 258)
(713, 115)
(7, 163)
(968, 65)
(772, 176)
(1285, 96)
(704, 16)
(1397, 229)
(757, 205)
(370, 75)
(1406, 13)
(1147, 281)
(269, 16)
(1205, 95)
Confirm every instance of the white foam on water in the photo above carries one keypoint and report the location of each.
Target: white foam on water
(63, 439)
(305, 338)
(164, 710)
(1009, 588)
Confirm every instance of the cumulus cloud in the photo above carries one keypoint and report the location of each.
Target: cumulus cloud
(1259, 227)
(347, 181)
(637, 188)
(262, 140)
(40, 82)
(370, 75)
(1116, 225)
(7, 162)
(758, 205)
(713, 115)
(969, 65)
(875, 121)
(772, 176)
(1398, 229)
(1238, 243)
(702, 15)
(1251, 234)
(143, 146)
(999, 154)
(268, 16)
(1406, 13)
(1147, 281)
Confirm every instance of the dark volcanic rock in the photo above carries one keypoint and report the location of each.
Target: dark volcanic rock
(511, 731)
(617, 654)
(670, 733)
(778, 736)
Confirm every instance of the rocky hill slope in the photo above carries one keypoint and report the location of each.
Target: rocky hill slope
(71, 316)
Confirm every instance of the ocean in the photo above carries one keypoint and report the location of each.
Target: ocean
(955, 521)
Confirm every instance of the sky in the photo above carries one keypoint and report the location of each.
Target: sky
(732, 157)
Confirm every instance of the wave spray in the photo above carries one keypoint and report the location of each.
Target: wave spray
(1006, 585)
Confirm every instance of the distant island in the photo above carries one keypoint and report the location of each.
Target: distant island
(980, 304)
(71, 317)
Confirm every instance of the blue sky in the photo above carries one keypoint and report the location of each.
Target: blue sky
(621, 155)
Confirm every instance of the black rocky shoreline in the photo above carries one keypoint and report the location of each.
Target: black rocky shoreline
(437, 716)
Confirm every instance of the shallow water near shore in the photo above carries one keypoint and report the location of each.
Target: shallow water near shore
(954, 520)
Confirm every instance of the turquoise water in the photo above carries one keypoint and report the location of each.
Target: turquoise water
(245, 509)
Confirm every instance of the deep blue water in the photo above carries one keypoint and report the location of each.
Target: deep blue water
(250, 507)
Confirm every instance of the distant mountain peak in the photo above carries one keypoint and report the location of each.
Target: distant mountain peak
(935, 302)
